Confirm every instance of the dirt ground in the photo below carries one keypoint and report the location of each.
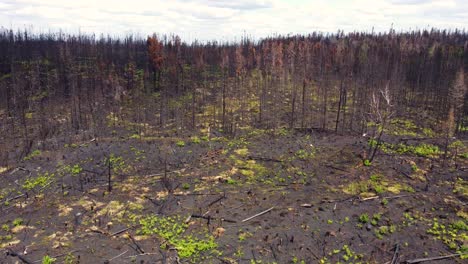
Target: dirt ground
(261, 197)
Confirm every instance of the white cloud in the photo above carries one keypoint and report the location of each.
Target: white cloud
(227, 19)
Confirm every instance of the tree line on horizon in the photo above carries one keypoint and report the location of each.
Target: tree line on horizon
(55, 83)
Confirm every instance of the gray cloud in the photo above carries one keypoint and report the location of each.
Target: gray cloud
(410, 2)
(238, 5)
(226, 19)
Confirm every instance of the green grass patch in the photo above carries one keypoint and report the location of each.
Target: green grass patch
(41, 180)
(376, 184)
(421, 150)
(32, 155)
(48, 260)
(343, 255)
(17, 222)
(242, 152)
(454, 235)
(195, 140)
(364, 218)
(173, 230)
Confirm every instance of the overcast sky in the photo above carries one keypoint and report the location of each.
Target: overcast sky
(229, 19)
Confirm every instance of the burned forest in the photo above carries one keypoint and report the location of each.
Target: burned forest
(317, 148)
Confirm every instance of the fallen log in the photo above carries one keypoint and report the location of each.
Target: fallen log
(431, 259)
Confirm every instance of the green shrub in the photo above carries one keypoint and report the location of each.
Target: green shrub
(17, 222)
(76, 169)
(364, 218)
(48, 260)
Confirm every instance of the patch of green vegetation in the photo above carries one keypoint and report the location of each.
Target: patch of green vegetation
(195, 140)
(427, 132)
(180, 143)
(139, 154)
(355, 188)
(73, 170)
(127, 213)
(258, 169)
(243, 235)
(39, 96)
(384, 230)
(255, 132)
(460, 225)
(426, 150)
(345, 255)
(402, 127)
(172, 229)
(409, 219)
(364, 218)
(135, 136)
(6, 227)
(242, 152)
(461, 187)
(454, 235)
(32, 155)
(186, 186)
(294, 260)
(5, 238)
(457, 144)
(406, 127)
(252, 170)
(458, 148)
(375, 185)
(117, 163)
(17, 222)
(376, 177)
(240, 142)
(41, 180)
(231, 181)
(72, 145)
(421, 150)
(384, 202)
(48, 260)
(366, 162)
(70, 259)
(247, 173)
(283, 132)
(375, 219)
(304, 154)
(5, 76)
(239, 252)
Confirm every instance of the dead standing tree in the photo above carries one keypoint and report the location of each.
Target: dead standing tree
(457, 94)
(381, 111)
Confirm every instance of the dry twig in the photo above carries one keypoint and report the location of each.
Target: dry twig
(259, 214)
